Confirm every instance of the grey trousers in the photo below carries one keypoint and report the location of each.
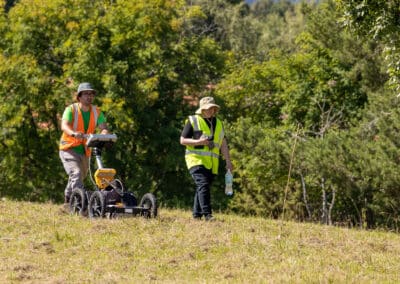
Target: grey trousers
(76, 166)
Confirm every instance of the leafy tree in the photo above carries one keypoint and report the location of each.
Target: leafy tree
(8, 4)
(28, 122)
(3, 26)
(361, 166)
(279, 23)
(262, 8)
(322, 87)
(378, 20)
(378, 148)
(229, 23)
(263, 155)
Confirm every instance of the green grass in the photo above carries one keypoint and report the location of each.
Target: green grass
(40, 244)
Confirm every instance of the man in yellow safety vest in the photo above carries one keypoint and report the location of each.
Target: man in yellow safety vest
(204, 138)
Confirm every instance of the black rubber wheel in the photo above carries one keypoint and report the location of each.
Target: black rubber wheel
(149, 203)
(97, 205)
(78, 202)
(118, 186)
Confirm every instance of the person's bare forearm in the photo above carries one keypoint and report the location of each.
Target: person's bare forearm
(226, 155)
(193, 142)
(66, 128)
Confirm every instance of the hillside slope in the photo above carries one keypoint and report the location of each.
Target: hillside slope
(41, 244)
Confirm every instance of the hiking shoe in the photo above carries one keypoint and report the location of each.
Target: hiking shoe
(210, 218)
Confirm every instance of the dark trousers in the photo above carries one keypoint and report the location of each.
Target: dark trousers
(202, 198)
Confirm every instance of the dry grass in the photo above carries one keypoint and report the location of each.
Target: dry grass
(40, 244)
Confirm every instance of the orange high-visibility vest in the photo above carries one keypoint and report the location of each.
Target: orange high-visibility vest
(67, 141)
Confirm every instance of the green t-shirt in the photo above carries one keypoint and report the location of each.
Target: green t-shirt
(67, 115)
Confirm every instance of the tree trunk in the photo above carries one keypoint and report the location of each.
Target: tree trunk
(324, 217)
(303, 184)
(331, 205)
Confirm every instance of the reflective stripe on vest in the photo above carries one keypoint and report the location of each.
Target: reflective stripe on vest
(194, 122)
(221, 136)
(202, 153)
(205, 156)
(76, 115)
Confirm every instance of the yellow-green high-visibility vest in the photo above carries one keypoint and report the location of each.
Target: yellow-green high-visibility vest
(205, 156)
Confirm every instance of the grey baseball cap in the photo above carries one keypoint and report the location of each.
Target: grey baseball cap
(85, 87)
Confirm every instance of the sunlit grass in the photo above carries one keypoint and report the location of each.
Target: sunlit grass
(40, 244)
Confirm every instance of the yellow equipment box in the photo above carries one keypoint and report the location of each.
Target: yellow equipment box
(104, 176)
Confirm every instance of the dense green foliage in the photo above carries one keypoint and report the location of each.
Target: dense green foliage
(379, 20)
(299, 91)
(319, 88)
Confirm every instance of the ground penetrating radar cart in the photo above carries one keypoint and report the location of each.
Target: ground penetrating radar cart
(109, 197)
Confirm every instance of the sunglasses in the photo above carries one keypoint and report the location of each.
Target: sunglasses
(88, 93)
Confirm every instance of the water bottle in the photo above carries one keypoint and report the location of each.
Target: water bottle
(228, 183)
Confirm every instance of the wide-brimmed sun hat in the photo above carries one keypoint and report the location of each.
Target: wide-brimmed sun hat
(206, 103)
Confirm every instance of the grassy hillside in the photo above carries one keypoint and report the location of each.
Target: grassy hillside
(40, 244)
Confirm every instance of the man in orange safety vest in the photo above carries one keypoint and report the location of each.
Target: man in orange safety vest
(78, 119)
